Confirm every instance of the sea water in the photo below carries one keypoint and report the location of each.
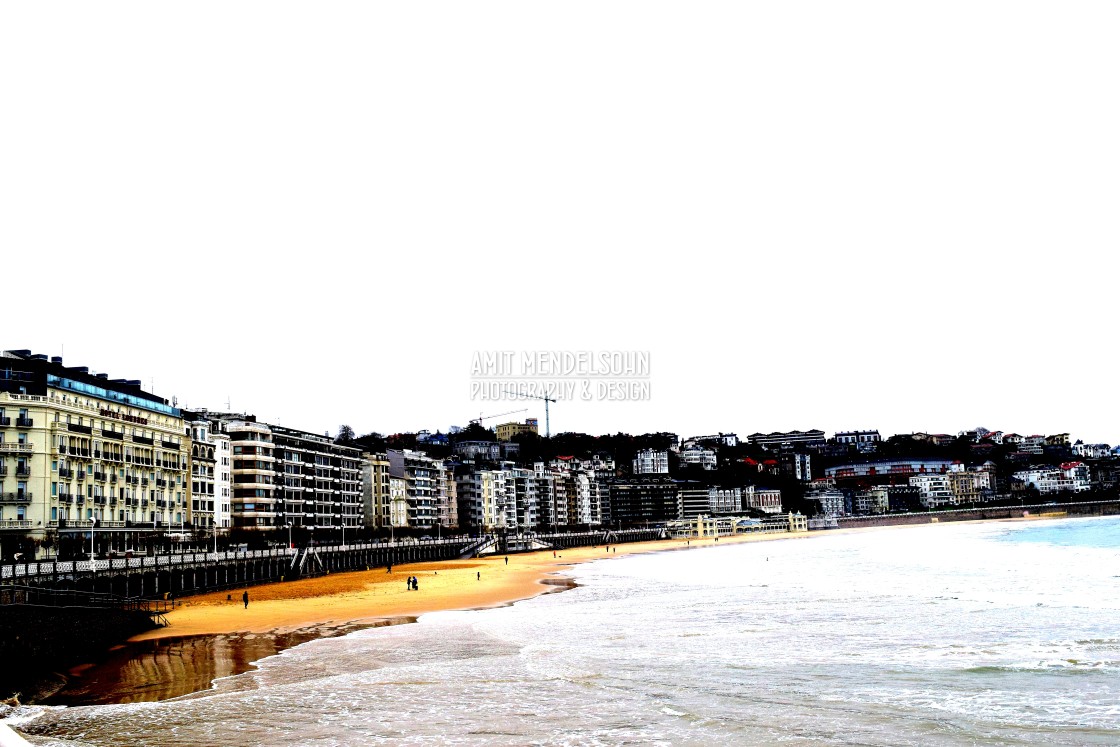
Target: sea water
(950, 634)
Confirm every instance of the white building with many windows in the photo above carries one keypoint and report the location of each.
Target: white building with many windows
(936, 489)
(651, 462)
(1069, 476)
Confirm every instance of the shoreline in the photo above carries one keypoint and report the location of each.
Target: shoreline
(214, 635)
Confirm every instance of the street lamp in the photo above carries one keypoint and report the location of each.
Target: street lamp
(289, 526)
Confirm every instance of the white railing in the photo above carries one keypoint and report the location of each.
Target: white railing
(17, 448)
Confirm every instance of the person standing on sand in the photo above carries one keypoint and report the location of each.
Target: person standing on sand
(245, 599)
(389, 568)
(478, 575)
(507, 560)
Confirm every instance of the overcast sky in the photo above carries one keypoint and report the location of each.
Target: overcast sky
(808, 214)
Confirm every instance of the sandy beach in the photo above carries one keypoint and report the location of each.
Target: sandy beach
(361, 597)
(210, 636)
(215, 635)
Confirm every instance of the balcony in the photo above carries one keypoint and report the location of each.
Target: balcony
(161, 483)
(169, 445)
(118, 435)
(20, 496)
(5, 421)
(81, 475)
(24, 422)
(65, 497)
(15, 524)
(75, 428)
(113, 478)
(99, 476)
(65, 472)
(96, 454)
(3, 470)
(16, 448)
(143, 482)
(142, 440)
(23, 471)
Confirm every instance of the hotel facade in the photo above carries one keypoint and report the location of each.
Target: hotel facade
(80, 451)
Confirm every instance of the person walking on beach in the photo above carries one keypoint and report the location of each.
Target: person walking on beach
(415, 584)
(507, 560)
(245, 599)
(478, 575)
(389, 568)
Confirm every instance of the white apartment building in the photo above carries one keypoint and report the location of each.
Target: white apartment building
(936, 489)
(695, 454)
(831, 500)
(651, 462)
(1092, 451)
(1071, 476)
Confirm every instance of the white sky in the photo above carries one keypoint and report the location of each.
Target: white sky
(811, 214)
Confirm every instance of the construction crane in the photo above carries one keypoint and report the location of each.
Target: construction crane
(482, 417)
(547, 432)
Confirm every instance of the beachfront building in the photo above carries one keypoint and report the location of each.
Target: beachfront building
(874, 500)
(322, 490)
(483, 499)
(285, 477)
(223, 481)
(421, 475)
(832, 500)
(639, 501)
(694, 500)
(969, 486)
(1069, 476)
(935, 489)
(376, 513)
(651, 462)
(202, 458)
(78, 449)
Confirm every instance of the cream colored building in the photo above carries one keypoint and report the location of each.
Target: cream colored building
(79, 449)
(507, 431)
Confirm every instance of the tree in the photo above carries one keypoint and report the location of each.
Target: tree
(345, 434)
